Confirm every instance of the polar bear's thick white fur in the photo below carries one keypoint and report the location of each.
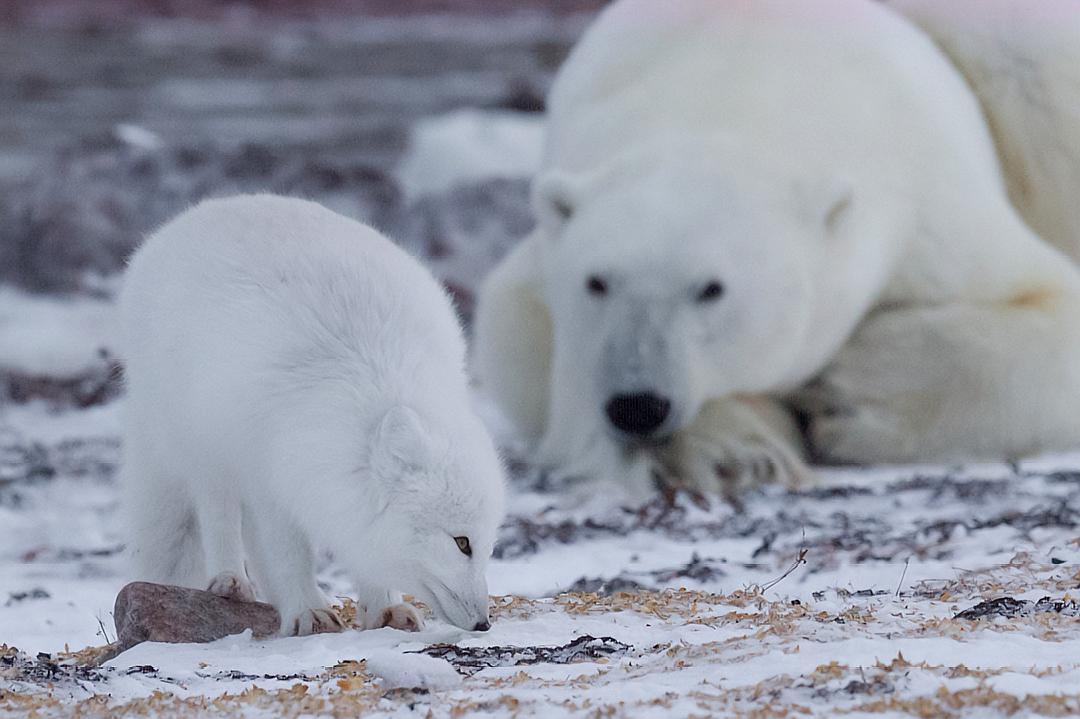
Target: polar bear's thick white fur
(749, 201)
(296, 381)
(1022, 59)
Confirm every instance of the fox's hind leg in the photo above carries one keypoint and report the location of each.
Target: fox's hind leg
(223, 549)
(162, 528)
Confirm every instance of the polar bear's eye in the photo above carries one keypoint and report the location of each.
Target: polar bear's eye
(596, 285)
(712, 291)
(463, 545)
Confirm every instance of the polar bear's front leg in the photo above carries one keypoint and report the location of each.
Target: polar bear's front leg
(577, 445)
(735, 443)
(953, 381)
(511, 353)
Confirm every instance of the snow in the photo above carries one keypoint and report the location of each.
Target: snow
(138, 137)
(865, 625)
(404, 671)
(383, 649)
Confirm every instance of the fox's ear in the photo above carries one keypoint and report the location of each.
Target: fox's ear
(402, 440)
(555, 198)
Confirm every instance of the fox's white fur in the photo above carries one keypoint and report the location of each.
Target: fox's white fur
(295, 381)
(869, 191)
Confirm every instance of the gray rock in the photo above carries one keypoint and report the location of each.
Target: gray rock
(146, 612)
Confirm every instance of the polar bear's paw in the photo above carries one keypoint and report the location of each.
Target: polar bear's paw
(849, 432)
(311, 621)
(402, 616)
(730, 466)
(231, 585)
(877, 399)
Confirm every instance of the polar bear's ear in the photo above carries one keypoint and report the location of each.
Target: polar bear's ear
(838, 208)
(827, 205)
(555, 199)
(402, 439)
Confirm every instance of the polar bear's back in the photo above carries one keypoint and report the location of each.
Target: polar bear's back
(1023, 61)
(246, 299)
(832, 83)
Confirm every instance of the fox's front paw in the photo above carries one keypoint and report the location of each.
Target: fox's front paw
(232, 586)
(380, 608)
(402, 616)
(311, 621)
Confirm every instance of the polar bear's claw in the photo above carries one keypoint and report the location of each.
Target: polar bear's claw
(728, 467)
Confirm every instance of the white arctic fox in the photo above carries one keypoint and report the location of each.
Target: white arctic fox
(296, 380)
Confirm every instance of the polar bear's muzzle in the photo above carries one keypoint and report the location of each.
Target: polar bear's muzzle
(641, 383)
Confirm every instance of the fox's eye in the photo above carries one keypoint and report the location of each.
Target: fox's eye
(463, 545)
(711, 292)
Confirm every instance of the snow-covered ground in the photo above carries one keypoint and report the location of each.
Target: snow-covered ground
(915, 591)
(839, 599)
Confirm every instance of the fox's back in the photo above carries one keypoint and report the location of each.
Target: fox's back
(237, 303)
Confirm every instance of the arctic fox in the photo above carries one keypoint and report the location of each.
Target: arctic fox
(295, 380)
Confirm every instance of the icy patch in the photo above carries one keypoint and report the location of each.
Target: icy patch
(469, 145)
(412, 671)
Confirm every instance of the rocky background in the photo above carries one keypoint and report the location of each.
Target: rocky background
(420, 118)
(118, 114)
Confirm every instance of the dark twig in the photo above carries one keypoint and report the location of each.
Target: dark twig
(902, 575)
(799, 561)
(103, 632)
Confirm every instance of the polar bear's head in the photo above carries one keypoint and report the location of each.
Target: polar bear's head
(680, 274)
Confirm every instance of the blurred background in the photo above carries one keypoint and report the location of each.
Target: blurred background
(421, 117)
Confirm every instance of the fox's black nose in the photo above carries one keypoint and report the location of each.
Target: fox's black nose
(481, 627)
(638, 414)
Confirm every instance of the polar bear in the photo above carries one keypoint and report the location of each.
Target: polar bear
(751, 203)
(296, 380)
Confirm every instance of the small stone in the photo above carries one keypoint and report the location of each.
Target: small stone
(146, 612)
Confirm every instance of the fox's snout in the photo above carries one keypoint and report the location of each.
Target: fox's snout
(479, 617)
(466, 609)
(473, 621)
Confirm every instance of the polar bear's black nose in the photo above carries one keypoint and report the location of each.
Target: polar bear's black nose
(481, 627)
(638, 414)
